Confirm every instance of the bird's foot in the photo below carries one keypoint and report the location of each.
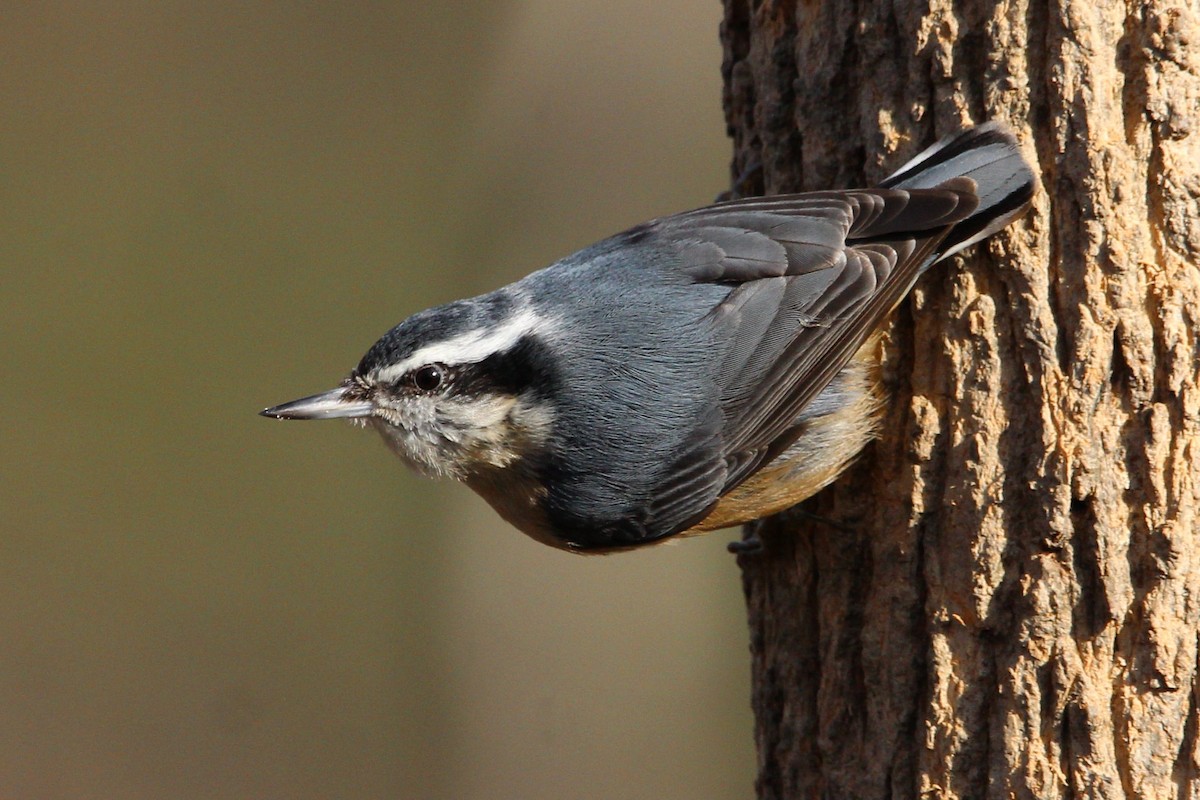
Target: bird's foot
(750, 544)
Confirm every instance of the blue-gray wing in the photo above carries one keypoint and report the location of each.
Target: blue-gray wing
(812, 275)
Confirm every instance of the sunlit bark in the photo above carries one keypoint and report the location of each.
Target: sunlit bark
(1005, 599)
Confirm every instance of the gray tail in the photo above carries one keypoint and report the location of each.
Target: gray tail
(989, 156)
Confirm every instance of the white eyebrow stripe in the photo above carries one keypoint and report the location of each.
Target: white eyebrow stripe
(469, 347)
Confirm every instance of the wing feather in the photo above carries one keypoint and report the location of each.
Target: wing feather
(813, 276)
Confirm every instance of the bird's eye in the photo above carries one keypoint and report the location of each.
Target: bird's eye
(429, 378)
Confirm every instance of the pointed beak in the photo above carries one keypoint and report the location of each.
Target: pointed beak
(327, 405)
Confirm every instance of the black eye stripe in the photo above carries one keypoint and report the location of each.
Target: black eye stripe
(527, 366)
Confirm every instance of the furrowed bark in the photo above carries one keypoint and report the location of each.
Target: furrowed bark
(1002, 599)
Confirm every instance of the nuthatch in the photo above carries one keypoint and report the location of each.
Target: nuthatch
(694, 372)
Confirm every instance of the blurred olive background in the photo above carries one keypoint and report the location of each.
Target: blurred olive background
(209, 208)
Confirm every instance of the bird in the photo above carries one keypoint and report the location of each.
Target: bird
(694, 372)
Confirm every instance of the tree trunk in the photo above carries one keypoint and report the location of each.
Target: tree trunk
(1002, 598)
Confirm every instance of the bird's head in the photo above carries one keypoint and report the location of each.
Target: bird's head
(455, 391)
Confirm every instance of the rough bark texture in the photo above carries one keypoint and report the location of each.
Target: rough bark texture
(1008, 603)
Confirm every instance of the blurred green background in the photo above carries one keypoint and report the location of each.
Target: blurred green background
(209, 208)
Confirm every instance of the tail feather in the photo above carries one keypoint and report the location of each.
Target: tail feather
(990, 157)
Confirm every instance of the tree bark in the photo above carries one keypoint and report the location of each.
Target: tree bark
(1002, 598)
